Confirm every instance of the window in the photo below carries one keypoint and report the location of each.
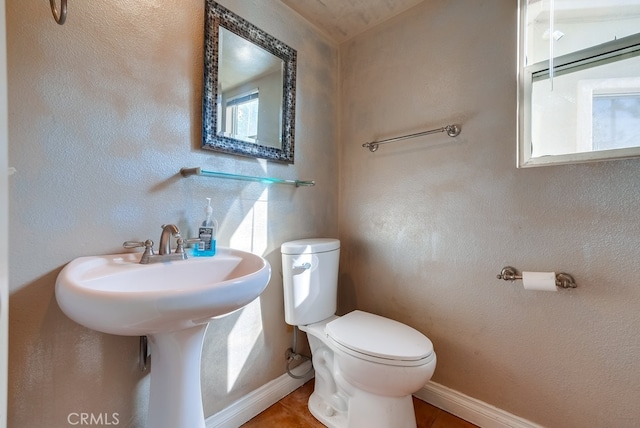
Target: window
(579, 92)
(616, 121)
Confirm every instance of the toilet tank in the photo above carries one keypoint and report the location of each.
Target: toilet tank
(310, 279)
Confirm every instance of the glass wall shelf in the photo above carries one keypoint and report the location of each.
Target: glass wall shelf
(187, 172)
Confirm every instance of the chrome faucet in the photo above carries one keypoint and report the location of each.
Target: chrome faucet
(168, 230)
(164, 250)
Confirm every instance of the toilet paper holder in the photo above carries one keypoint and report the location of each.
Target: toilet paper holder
(563, 280)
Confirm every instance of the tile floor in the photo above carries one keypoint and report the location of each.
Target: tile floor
(292, 412)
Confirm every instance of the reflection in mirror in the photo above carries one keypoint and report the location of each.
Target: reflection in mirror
(579, 93)
(249, 89)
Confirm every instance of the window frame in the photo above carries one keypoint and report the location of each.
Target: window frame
(612, 51)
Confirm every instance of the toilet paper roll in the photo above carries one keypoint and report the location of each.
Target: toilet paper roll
(540, 281)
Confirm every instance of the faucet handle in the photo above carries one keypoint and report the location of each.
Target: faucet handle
(148, 249)
(181, 242)
(148, 246)
(179, 245)
(133, 244)
(180, 248)
(195, 241)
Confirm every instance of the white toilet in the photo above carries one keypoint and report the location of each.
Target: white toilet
(367, 366)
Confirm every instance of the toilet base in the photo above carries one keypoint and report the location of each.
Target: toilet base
(365, 410)
(340, 403)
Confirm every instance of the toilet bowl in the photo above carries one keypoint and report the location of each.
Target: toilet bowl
(366, 366)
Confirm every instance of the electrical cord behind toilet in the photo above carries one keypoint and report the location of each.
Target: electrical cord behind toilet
(292, 355)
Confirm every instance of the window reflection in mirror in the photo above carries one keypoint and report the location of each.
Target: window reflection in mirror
(241, 117)
(579, 93)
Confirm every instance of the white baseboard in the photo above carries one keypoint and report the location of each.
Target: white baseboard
(475, 411)
(470, 409)
(260, 399)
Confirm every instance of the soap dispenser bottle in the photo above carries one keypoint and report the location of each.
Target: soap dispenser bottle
(207, 234)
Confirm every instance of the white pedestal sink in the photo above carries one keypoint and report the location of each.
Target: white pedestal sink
(171, 303)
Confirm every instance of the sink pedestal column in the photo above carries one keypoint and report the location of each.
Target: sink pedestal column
(176, 396)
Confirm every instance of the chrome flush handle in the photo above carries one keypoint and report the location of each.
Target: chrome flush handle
(304, 266)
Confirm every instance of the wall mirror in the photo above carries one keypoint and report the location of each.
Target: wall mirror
(249, 89)
(579, 82)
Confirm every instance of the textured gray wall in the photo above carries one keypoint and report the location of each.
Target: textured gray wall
(426, 224)
(104, 111)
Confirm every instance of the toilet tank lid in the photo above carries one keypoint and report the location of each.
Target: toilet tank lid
(379, 337)
(309, 246)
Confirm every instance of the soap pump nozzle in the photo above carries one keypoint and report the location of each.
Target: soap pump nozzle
(208, 209)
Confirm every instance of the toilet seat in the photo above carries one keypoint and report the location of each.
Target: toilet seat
(378, 339)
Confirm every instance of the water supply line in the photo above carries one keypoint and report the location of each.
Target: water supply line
(292, 355)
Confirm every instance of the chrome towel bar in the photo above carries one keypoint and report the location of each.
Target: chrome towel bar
(451, 130)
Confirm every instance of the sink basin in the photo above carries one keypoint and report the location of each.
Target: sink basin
(115, 294)
(169, 302)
